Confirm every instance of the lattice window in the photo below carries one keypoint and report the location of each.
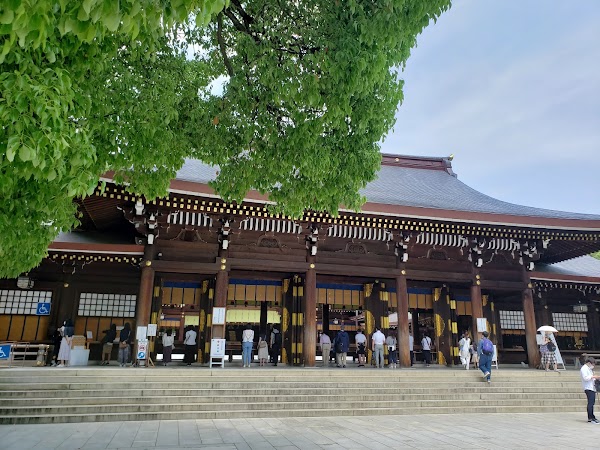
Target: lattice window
(106, 305)
(512, 320)
(570, 322)
(22, 302)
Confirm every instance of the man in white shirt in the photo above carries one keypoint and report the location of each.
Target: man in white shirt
(589, 386)
(426, 347)
(247, 341)
(361, 348)
(325, 343)
(411, 348)
(378, 341)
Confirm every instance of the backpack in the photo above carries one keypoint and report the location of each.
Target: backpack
(550, 346)
(277, 340)
(487, 348)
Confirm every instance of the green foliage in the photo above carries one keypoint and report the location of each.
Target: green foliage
(93, 86)
(596, 255)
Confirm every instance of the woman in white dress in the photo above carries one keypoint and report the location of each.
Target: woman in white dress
(263, 350)
(64, 354)
(464, 345)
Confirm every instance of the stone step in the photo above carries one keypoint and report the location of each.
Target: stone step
(276, 399)
(260, 405)
(481, 408)
(324, 390)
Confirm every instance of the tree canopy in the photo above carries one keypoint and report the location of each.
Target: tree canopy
(305, 91)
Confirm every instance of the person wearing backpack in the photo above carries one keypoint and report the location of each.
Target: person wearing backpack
(276, 341)
(548, 349)
(485, 351)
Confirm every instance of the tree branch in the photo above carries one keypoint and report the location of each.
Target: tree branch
(222, 46)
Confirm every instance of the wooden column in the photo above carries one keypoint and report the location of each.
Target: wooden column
(593, 320)
(309, 346)
(455, 333)
(264, 312)
(530, 328)
(442, 326)
(220, 300)
(144, 301)
(403, 332)
(286, 321)
(476, 307)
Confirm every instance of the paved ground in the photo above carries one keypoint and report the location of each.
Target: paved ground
(490, 431)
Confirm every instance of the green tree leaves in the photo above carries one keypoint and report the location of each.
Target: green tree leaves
(97, 85)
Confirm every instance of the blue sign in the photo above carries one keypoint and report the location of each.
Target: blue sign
(5, 351)
(43, 309)
(141, 355)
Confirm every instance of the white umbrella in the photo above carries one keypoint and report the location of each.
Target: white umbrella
(548, 328)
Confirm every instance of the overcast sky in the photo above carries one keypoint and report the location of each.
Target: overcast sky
(512, 89)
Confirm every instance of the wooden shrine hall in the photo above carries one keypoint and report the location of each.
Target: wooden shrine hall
(427, 254)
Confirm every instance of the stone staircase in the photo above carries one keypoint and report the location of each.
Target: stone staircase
(52, 395)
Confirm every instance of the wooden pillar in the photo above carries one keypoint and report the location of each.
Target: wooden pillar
(593, 319)
(297, 321)
(206, 300)
(144, 301)
(373, 313)
(442, 326)
(309, 346)
(530, 328)
(264, 312)
(476, 306)
(403, 332)
(454, 331)
(220, 299)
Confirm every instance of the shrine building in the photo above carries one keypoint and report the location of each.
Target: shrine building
(426, 254)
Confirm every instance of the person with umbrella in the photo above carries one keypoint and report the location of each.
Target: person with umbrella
(548, 348)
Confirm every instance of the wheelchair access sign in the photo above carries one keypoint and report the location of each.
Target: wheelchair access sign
(5, 351)
(43, 309)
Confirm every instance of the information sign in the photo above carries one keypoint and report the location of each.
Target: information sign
(217, 348)
(5, 351)
(218, 316)
(43, 309)
(151, 330)
(142, 349)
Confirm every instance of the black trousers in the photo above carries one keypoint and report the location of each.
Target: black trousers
(591, 398)
(427, 356)
(189, 355)
(412, 357)
(275, 349)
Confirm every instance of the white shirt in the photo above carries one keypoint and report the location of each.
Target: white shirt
(325, 339)
(411, 342)
(426, 343)
(167, 340)
(587, 380)
(360, 338)
(248, 336)
(190, 338)
(378, 338)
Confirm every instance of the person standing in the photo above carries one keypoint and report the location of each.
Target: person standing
(124, 349)
(190, 345)
(426, 348)
(56, 340)
(391, 342)
(411, 348)
(589, 387)
(107, 343)
(361, 348)
(168, 340)
(548, 352)
(247, 341)
(64, 354)
(485, 351)
(342, 344)
(464, 346)
(377, 342)
(276, 341)
(263, 350)
(325, 343)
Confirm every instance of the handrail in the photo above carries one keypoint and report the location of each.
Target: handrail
(22, 350)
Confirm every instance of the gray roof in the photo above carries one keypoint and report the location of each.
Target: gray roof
(584, 266)
(417, 187)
